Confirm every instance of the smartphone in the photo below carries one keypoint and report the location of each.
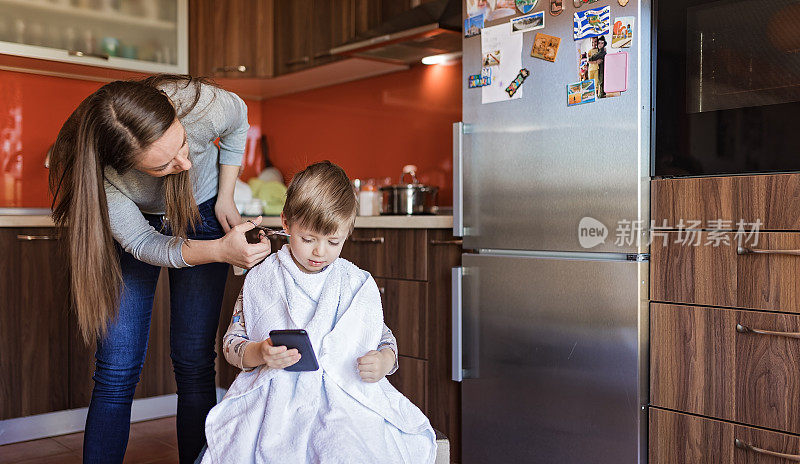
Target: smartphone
(296, 338)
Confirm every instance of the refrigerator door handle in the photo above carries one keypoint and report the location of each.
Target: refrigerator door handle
(458, 179)
(457, 365)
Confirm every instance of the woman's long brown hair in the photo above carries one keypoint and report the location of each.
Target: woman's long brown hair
(110, 128)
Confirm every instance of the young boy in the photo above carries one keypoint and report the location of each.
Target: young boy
(346, 411)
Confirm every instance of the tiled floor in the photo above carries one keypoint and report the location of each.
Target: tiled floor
(150, 442)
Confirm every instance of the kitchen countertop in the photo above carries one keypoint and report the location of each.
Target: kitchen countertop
(363, 222)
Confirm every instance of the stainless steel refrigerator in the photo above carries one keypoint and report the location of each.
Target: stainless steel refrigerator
(550, 335)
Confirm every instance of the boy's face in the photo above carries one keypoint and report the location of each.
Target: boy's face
(313, 251)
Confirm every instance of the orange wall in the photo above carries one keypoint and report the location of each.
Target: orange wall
(371, 127)
(32, 110)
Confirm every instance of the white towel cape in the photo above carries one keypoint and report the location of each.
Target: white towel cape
(326, 416)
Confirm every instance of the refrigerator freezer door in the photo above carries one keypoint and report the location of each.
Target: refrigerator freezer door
(551, 356)
(533, 167)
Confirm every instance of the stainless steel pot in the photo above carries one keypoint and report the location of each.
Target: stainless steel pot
(409, 198)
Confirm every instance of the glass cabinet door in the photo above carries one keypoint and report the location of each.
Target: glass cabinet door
(137, 35)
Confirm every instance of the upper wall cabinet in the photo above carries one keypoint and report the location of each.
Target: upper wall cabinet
(146, 36)
(232, 38)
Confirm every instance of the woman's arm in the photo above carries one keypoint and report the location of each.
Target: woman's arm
(225, 209)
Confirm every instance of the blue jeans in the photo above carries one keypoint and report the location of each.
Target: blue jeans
(195, 301)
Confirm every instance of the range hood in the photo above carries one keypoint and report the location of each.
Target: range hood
(432, 28)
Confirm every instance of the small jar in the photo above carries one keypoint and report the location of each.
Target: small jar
(368, 199)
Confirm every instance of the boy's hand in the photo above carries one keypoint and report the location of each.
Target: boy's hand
(277, 357)
(374, 365)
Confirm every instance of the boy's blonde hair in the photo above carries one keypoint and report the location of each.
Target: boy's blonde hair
(322, 199)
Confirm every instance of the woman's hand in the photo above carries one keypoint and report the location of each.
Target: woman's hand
(227, 213)
(275, 357)
(374, 365)
(235, 249)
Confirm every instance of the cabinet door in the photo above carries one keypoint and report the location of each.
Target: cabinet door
(405, 312)
(716, 274)
(293, 36)
(231, 40)
(677, 438)
(411, 379)
(728, 364)
(34, 354)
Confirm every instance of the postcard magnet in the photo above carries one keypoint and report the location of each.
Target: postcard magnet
(622, 35)
(581, 92)
(473, 26)
(527, 23)
(545, 47)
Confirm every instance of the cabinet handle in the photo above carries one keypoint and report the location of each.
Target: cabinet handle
(302, 60)
(102, 56)
(748, 447)
(367, 240)
(448, 242)
(37, 237)
(240, 68)
(743, 329)
(323, 54)
(382, 290)
(759, 251)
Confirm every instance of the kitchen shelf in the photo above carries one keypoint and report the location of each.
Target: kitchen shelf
(86, 13)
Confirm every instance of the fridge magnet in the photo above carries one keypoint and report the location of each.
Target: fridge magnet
(615, 78)
(622, 2)
(526, 6)
(556, 7)
(527, 23)
(622, 35)
(473, 26)
(480, 80)
(545, 47)
(581, 92)
(580, 3)
(591, 23)
(492, 59)
(501, 9)
(477, 7)
(517, 82)
(477, 80)
(591, 61)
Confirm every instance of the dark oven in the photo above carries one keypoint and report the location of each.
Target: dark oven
(727, 87)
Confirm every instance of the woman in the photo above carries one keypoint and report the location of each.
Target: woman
(139, 184)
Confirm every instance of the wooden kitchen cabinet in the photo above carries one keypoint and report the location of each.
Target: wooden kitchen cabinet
(709, 361)
(719, 276)
(677, 438)
(33, 350)
(232, 39)
(723, 353)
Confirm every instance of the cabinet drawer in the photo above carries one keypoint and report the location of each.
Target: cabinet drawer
(677, 438)
(771, 199)
(392, 253)
(404, 310)
(411, 379)
(718, 276)
(709, 361)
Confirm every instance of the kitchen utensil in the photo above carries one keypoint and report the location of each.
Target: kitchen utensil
(409, 198)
